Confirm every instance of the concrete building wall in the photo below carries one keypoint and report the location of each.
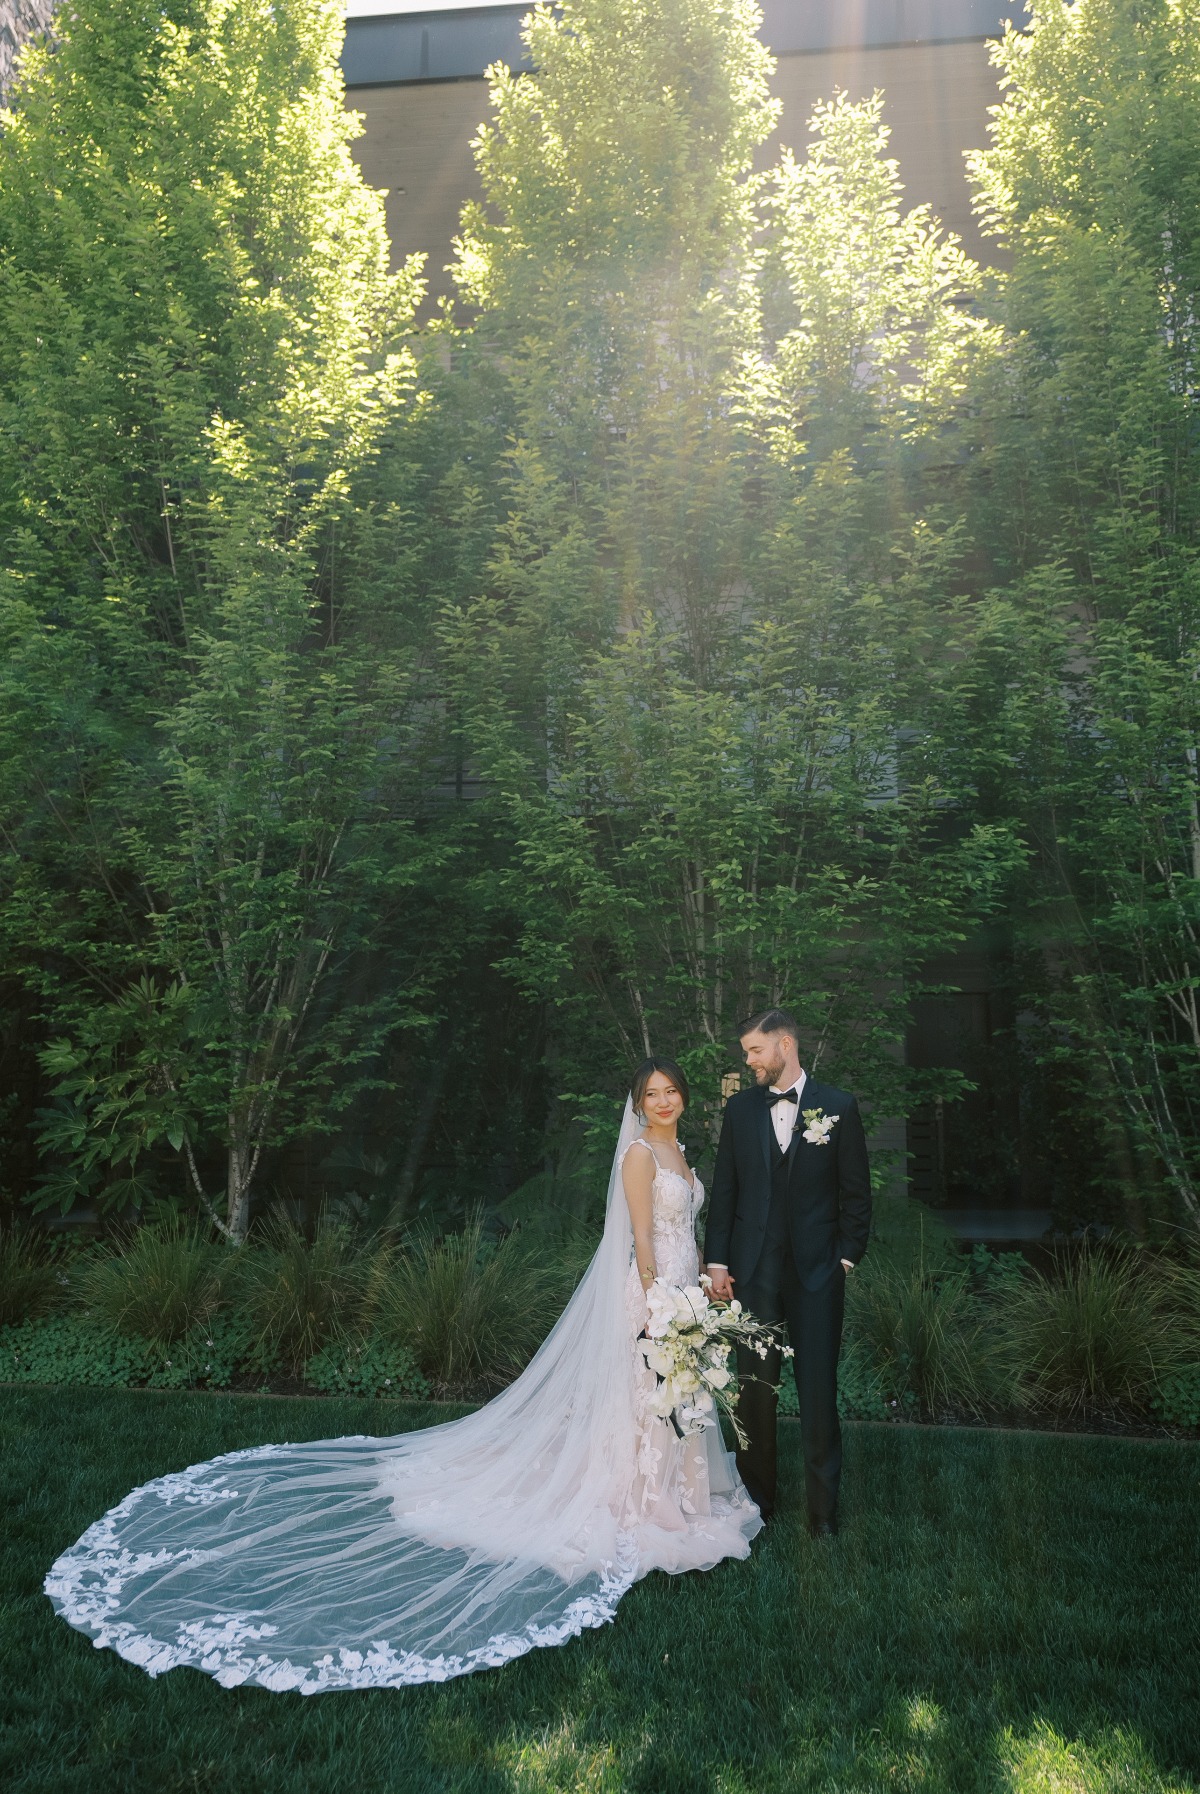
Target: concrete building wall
(408, 74)
(417, 141)
(936, 100)
(417, 145)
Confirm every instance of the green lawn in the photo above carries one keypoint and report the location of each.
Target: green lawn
(1003, 1611)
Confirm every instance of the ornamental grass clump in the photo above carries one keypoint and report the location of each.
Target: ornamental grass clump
(31, 1284)
(295, 1295)
(1181, 1297)
(471, 1312)
(1095, 1336)
(926, 1337)
(160, 1284)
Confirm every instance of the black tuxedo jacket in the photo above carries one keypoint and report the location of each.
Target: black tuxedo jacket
(828, 1187)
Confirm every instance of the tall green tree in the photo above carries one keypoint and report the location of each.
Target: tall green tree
(207, 735)
(694, 678)
(1092, 183)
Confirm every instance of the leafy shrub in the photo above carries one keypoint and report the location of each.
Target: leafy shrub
(219, 1352)
(372, 1367)
(924, 1337)
(1097, 1335)
(996, 1275)
(563, 1246)
(296, 1296)
(471, 1313)
(555, 1213)
(862, 1392)
(1177, 1398)
(31, 1283)
(165, 1282)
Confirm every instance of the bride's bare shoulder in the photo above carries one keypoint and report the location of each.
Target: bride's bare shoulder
(650, 1158)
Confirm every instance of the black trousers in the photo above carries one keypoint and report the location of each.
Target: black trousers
(814, 1325)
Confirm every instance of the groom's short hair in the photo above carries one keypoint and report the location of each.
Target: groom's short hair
(770, 1021)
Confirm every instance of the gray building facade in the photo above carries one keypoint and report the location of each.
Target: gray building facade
(417, 76)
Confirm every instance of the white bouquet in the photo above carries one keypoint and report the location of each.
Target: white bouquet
(686, 1343)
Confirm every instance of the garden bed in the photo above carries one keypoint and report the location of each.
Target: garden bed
(1106, 1341)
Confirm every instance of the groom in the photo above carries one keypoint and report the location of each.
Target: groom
(789, 1214)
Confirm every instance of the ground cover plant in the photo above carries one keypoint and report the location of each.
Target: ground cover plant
(981, 1626)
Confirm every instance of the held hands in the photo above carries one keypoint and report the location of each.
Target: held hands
(722, 1283)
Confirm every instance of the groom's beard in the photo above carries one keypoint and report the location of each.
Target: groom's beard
(769, 1074)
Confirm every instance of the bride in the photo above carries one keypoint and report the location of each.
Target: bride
(373, 1563)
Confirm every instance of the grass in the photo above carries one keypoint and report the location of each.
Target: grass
(1004, 1613)
(924, 1335)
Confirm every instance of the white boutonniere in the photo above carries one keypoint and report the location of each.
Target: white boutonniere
(818, 1126)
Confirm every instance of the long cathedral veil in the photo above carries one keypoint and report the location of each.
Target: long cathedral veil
(365, 1562)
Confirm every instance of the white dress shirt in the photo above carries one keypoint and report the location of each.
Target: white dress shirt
(784, 1116)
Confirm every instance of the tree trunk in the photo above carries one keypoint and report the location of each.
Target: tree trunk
(19, 21)
(237, 1185)
(415, 1150)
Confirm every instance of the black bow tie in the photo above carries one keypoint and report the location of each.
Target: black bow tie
(782, 1096)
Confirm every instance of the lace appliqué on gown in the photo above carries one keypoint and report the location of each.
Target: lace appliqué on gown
(683, 1486)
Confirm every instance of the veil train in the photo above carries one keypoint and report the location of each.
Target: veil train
(378, 1562)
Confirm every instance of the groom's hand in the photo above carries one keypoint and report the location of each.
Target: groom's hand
(722, 1283)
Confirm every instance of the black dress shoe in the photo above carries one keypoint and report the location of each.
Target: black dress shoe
(822, 1529)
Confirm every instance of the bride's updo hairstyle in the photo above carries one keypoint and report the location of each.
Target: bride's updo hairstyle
(643, 1075)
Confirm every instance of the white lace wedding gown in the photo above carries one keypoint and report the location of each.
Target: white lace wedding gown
(373, 1563)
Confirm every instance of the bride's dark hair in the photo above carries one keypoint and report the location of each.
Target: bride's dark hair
(643, 1075)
